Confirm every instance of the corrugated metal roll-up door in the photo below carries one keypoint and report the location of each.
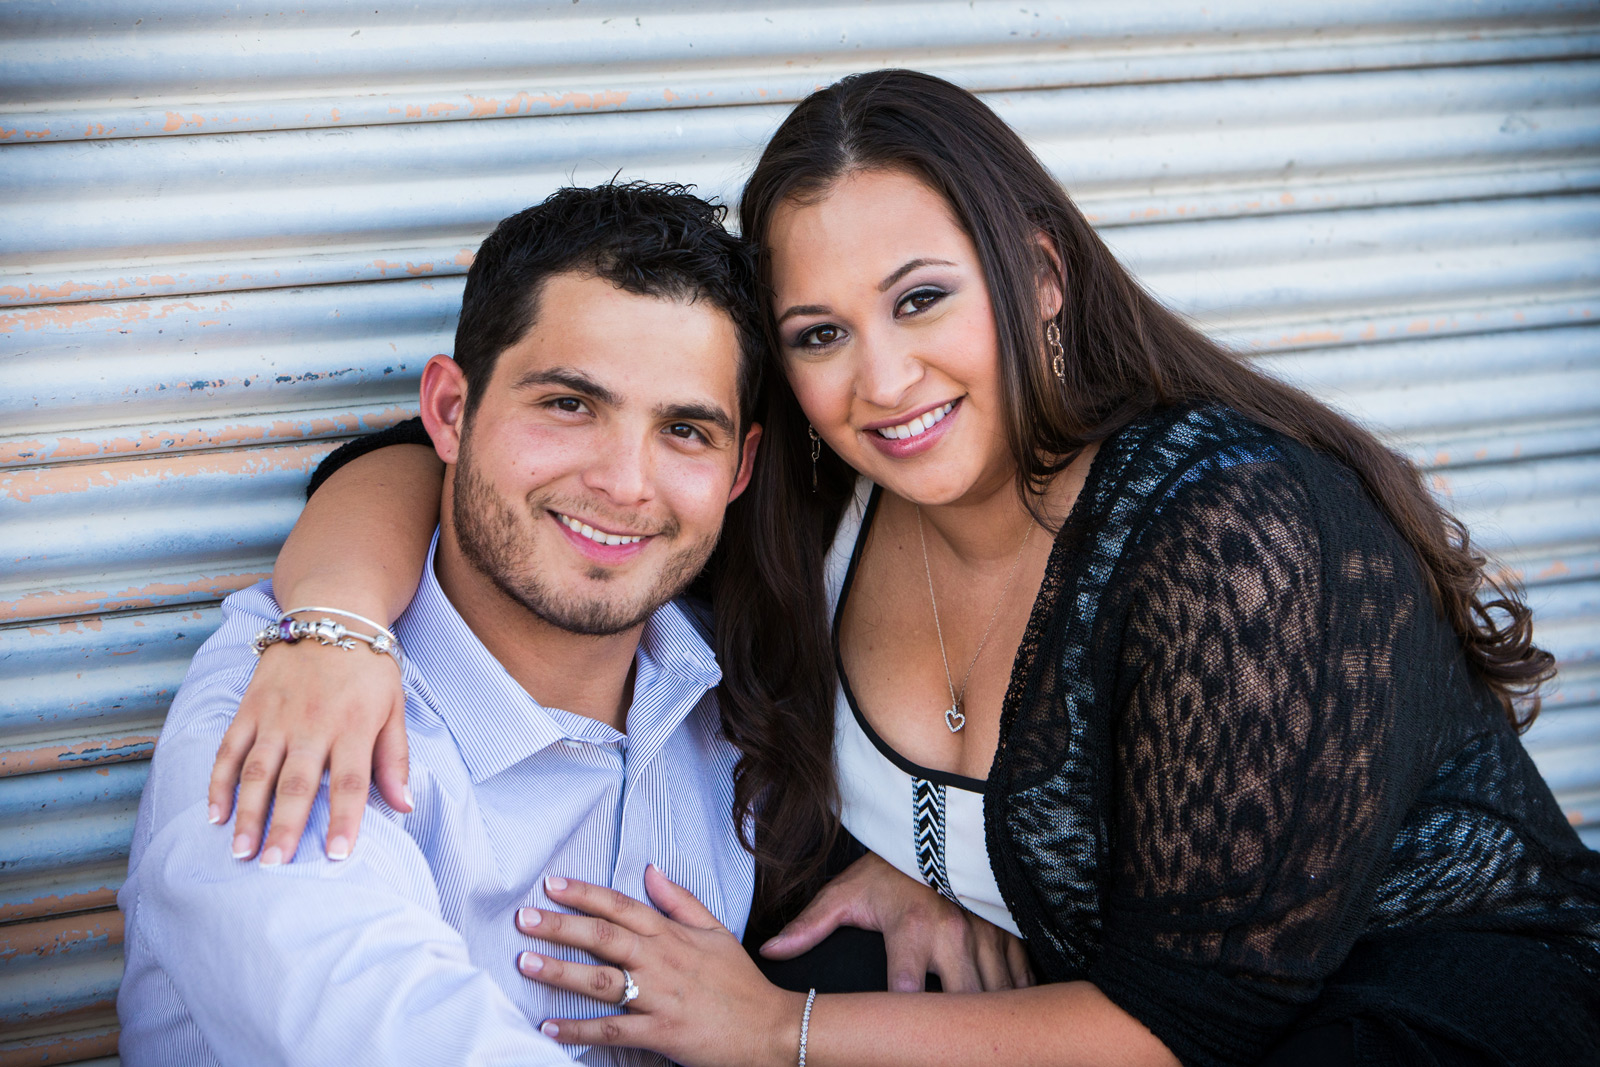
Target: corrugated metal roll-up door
(230, 239)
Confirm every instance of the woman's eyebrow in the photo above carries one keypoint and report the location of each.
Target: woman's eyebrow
(819, 309)
(803, 309)
(908, 268)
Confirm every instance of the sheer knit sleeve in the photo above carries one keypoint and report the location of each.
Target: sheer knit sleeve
(409, 432)
(1254, 791)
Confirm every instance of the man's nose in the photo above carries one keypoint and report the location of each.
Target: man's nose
(621, 468)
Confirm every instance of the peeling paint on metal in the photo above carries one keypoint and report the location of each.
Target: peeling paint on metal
(76, 754)
(69, 316)
(59, 904)
(58, 936)
(26, 485)
(49, 603)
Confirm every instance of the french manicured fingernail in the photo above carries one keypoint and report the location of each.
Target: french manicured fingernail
(529, 963)
(272, 857)
(554, 884)
(241, 847)
(550, 1030)
(527, 917)
(214, 814)
(406, 791)
(339, 848)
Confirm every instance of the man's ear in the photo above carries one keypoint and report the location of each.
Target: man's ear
(1050, 278)
(747, 461)
(444, 405)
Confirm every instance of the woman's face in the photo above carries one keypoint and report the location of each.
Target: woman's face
(888, 339)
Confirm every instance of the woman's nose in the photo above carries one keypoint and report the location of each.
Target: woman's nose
(886, 373)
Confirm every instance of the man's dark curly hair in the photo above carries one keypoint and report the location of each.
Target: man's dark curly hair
(650, 239)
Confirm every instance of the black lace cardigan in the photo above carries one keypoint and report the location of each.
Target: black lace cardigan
(1245, 780)
(1246, 784)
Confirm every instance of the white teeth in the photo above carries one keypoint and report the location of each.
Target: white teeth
(917, 426)
(597, 536)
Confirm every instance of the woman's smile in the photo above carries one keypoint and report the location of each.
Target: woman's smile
(914, 436)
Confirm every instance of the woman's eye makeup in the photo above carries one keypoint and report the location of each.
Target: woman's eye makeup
(819, 336)
(919, 299)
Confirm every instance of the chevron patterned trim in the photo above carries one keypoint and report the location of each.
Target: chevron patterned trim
(927, 829)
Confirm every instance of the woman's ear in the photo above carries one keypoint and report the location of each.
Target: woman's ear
(444, 405)
(1051, 274)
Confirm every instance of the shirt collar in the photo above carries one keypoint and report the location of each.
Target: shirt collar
(497, 724)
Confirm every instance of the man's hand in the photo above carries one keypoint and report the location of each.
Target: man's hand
(922, 932)
(311, 707)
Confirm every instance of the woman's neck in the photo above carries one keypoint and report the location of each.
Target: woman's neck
(986, 525)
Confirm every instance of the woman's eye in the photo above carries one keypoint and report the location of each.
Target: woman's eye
(817, 336)
(919, 300)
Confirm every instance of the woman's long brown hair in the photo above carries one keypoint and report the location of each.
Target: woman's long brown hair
(1126, 355)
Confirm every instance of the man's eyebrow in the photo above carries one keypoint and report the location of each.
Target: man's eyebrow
(569, 378)
(908, 268)
(698, 412)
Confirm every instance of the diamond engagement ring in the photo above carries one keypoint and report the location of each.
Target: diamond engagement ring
(630, 989)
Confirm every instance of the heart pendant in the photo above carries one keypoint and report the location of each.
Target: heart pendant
(955, 718)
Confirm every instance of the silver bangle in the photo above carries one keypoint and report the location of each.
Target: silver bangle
(289, 629)
(362, 619)
(805, 1025)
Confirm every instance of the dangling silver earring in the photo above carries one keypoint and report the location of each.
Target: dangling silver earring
(1058, 354)
(816, 453)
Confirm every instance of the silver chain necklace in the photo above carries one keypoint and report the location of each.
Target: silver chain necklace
(955, 715)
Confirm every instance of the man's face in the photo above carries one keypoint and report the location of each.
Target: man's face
(591, 479)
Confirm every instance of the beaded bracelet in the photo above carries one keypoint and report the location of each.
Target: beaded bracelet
(289, 629)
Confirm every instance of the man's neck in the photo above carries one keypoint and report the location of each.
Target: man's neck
(590, 676)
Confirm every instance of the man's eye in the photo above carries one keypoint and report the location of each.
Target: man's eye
(567, 403)
(919, 300)
(817, 336)
(686, 431)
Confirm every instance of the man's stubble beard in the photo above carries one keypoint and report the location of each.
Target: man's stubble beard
(495, 544)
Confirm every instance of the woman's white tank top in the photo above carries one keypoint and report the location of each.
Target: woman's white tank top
(926, 823)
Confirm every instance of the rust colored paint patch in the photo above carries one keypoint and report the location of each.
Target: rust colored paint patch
(6, 135)
(58, 1048)
(53, 603)
(88, 753)
(24, 486)
(419, 268)
(465, 257)
(482, 105)
(334, 114)
(111, 316)
(56, 936)
(1556, 569)
(174, 122)
(37, 135)
(441, 108)
(583, 101)
(56, 904)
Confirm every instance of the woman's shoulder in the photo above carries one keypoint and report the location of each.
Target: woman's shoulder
(1174, 452)
(1207, 477)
